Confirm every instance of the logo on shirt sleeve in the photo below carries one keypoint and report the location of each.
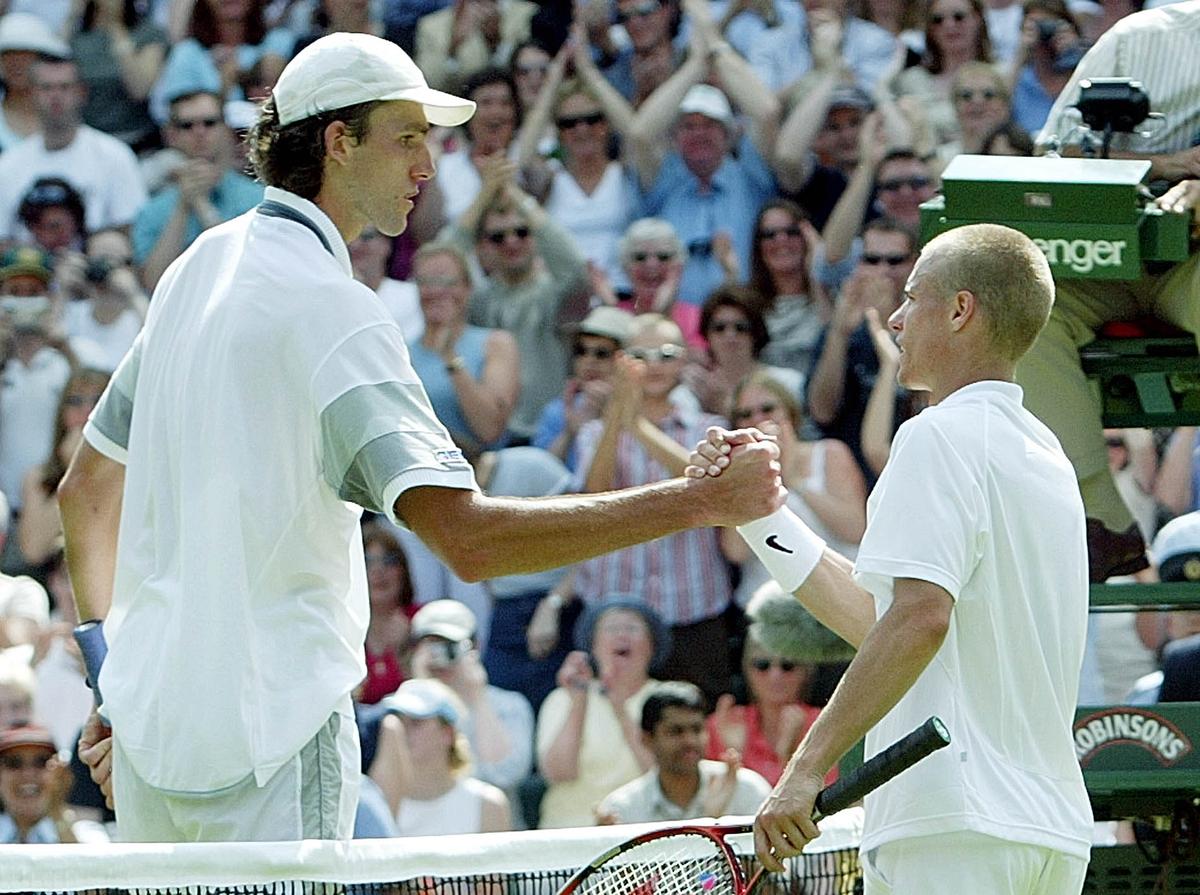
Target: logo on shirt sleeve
(451, 459)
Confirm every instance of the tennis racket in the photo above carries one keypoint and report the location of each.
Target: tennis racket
(697, 860)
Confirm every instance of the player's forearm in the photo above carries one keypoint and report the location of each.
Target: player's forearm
(891, 658)
(89, 499)
(836, 601)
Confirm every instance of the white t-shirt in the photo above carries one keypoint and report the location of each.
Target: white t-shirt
(643, 800)
(102, 168)
(403, 302)
(100, 345)
(28, 400)
(267, 400)
(596, 220)
(978, 498)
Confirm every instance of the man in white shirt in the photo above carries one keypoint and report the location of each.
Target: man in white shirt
(212, 513)
(102, 168)
(968, 600)
(682, 785)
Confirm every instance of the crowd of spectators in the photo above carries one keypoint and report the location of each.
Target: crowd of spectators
(664, 215)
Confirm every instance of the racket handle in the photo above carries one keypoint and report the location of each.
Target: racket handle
(878, 770)
(92, 645)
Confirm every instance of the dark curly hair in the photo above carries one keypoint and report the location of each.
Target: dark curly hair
(292, 157)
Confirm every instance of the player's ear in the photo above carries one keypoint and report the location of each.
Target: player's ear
(338, 141)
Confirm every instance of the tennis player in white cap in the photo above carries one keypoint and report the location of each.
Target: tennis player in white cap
(211, 514)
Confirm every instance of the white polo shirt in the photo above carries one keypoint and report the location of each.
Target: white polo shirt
(978, 497)
(643, 800)
(268, 398)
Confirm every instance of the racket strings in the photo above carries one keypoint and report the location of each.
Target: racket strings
(685, 864)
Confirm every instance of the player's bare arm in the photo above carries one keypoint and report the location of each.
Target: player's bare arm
(89, 500)
(828, 590)
(895, 651)
(483, 537)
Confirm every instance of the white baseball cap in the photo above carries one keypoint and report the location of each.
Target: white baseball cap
(25, 31)
(709, 101)
(343, 69)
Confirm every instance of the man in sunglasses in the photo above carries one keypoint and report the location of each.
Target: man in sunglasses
(203, 188)
(840, 381)
(102, 168)
(534, 271)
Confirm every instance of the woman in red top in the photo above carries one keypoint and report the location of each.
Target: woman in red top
(778, 673)
(391, 595)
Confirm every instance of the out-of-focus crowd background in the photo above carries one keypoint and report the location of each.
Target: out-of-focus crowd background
(664, 216)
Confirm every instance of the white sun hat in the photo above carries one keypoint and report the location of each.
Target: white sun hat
(344, 69)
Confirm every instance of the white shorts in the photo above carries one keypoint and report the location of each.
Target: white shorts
(313, 796)
(958, 863)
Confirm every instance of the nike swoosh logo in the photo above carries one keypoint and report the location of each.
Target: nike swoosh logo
(773, 543)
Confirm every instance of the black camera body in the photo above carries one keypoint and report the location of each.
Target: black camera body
(1116, 105)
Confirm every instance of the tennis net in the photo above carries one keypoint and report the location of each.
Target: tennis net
(527, 863)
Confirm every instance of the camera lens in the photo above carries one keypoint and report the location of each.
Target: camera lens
(97, 270)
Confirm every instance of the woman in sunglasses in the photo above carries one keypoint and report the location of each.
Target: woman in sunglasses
(588, 189)
(981, 104)
(779, 684)
(795, 305)
(732, 324)
(825, 483)
(955, 34)
(390, 591)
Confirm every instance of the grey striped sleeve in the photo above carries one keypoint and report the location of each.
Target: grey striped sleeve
(374, 433)
(114, 414)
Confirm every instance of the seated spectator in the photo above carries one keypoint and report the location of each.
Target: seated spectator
(530, 64)
(62, 699)
(588, 736)
(223, 44)
(470, 35)
(39, 529)
(840, 382)
(637, 68)
(203, 190)
(433, 792)
(768, 728)
(472, 374)
(102, 168)
(388, 630)
(782, 55)
(588, 188)
(696, 171)
(890, 183)
(652, 258)
(736, 333)
(594, 346)
(370, 257)
(488, 135)
(825, 486)
(534, 270)
(682, 784)
(955, 33)
(981, 104)
(52, 212)
(34, 370)
(23, 39)
(105, 305)
(645, 436)
(33, 788)
(499, 728)
(795, 306)
(24, 610)
(121, 55)
(1051, 47)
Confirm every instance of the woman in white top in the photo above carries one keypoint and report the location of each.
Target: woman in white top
(587, 189)
(825, 485)
(423, 769)
(589, 740)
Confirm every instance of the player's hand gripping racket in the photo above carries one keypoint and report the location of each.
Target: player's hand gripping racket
(696, 860)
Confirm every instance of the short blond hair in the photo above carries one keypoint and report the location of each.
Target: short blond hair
(1008, 275)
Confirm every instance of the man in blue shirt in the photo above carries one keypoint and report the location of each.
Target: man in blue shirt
(205, 190)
